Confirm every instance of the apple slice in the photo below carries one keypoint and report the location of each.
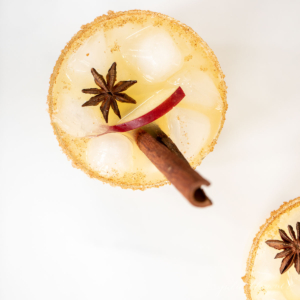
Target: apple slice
(144, 114)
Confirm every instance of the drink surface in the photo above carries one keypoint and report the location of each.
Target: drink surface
(263, 277)
(161, 54)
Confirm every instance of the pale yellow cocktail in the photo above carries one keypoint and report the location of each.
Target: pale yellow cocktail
(263, 279)
(161, 54)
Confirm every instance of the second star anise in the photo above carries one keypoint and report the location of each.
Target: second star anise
(109, 93)
(290, 247)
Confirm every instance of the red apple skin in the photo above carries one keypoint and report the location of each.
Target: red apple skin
(147, 118)
(152, 115)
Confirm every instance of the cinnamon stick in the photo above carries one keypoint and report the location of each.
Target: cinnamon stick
(164, 154)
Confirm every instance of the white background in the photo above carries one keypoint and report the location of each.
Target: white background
(64, 236)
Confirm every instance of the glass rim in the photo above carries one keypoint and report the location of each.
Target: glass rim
(284, 208)
(108, 22)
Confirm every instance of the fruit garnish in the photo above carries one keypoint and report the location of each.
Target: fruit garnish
(291, 247)
(143, 117)
(109, 93)
(151, 140)
(157, 146)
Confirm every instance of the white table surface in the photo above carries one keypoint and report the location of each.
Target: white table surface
(65, 236)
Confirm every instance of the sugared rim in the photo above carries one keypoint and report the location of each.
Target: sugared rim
(284, 208)
(85, 32)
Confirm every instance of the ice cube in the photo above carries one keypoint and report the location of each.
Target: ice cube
(110, 154)
(117, 35)
(76, 120)
(274, 295)
(199, 88)
(189, 130)
(294, 282)
(92, 53)
(153, 52)
(266, 270)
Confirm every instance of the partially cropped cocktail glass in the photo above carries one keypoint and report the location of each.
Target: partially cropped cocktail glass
(263, 279)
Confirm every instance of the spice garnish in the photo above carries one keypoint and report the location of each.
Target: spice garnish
(291, 247)
(165, 155)
(157, 146)
(109, 92)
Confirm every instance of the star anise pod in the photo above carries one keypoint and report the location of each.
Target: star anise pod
(290, 247)
(109, 93)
